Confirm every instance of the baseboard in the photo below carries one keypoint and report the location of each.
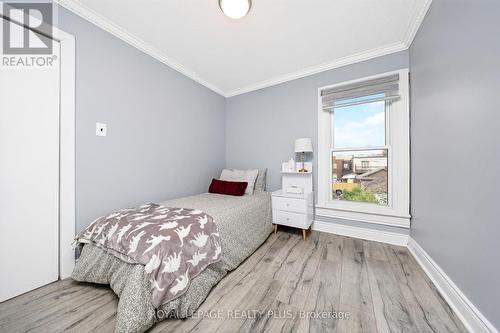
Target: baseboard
(363, 233)
(472, 318)
(465, 310)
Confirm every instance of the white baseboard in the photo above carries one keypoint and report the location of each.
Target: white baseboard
(363, 233)
(472, 318)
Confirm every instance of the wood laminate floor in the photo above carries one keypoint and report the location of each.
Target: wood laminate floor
(287, 285)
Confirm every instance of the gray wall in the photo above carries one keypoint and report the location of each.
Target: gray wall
(455, 80)
(165, 131)
(261, 126)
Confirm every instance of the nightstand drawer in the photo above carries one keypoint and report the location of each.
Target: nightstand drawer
(290, 219)
(290, 204)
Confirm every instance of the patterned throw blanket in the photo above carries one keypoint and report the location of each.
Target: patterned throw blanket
(174, 244)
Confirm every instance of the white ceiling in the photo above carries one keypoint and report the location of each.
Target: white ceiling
(278, 41)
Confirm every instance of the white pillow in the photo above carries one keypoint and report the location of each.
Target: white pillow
(234, 175)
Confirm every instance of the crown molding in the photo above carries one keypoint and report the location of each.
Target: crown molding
(349, 60)
(358, 57)
(90, 15)
(415, 24)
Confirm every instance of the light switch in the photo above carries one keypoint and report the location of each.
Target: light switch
(100, 129)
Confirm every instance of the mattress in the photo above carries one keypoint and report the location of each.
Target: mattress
(244, 223)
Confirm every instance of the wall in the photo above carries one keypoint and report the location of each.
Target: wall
(165, 131)
(261, 126)
(455, 79)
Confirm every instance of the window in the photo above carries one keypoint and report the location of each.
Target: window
(361, 125)
(365, 182)
(364, 150)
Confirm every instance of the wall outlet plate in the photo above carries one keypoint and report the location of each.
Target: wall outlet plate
(100, 129)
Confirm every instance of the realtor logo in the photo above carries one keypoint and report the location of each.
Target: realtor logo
(37, 17)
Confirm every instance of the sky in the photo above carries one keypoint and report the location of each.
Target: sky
(359, 125)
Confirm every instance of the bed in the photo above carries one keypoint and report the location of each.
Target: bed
(243, 223)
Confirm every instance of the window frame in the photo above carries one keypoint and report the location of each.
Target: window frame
(396, 212)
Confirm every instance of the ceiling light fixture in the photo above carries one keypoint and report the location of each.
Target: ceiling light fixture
(235, 9)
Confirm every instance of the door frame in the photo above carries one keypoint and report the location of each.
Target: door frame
(67, 217)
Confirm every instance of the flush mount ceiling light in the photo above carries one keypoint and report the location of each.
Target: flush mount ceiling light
(235, 9)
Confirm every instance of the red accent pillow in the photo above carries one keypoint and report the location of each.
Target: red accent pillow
(229, 188)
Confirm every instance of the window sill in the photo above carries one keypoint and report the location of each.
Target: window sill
(402, 221)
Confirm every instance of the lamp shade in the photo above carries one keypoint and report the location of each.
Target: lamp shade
(303, 145)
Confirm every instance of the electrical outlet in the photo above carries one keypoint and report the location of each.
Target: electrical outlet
(100, 129)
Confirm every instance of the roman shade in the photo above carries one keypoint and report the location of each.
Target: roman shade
(379, 89)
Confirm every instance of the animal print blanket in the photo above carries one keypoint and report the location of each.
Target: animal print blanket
(174, 244)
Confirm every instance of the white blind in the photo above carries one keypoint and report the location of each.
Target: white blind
(379, 89)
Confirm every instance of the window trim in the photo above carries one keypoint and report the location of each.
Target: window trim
(396, 213)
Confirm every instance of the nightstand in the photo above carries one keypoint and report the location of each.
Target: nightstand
(293, 210)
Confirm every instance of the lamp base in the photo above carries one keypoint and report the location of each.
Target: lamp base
(303, 159)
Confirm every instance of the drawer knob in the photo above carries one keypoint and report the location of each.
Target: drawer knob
(288, 219)
(288, 205)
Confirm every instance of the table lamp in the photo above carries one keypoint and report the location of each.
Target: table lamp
(303, 146)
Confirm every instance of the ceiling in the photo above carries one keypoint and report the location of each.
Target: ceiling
(278, 41)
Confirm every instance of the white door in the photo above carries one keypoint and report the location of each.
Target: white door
(29, 178)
